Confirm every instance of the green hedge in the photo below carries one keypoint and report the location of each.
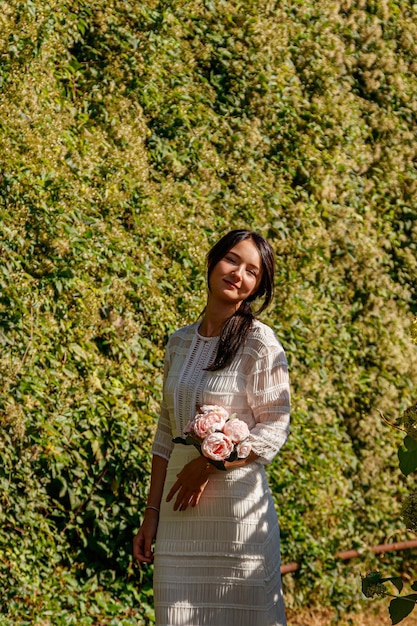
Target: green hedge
(133, 135)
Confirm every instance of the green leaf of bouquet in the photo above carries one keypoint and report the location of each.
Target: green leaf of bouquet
(179, 440)
(192, 441)
(414, 586)
(407, 456)
(233, 456)
(399, 608)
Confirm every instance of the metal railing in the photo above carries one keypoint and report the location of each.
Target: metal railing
(351, 554)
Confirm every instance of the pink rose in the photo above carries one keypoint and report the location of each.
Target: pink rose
(190, 427)
(236, 430)
(206, 423)
(243, 449)
(217, 447)
(214, 408)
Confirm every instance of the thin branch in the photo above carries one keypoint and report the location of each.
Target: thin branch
(384, 419)
(83, 504)
(29, 342)
(398, 597)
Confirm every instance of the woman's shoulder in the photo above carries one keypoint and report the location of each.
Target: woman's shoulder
(183, 334)
(262, 338)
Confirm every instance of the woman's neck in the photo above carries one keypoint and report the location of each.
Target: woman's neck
(214, 319)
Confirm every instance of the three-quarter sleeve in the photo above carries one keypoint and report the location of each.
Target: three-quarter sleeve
(268, 394)
(162, 444)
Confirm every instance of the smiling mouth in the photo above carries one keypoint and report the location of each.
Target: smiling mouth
(232, 285)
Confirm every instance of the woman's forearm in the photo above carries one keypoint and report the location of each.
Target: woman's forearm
(229, 465)
(158, 475)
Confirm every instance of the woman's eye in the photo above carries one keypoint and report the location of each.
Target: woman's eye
(229, 258)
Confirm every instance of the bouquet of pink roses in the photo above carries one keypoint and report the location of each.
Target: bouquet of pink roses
(217, 435)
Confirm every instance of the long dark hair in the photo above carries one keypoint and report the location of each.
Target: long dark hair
(237, 327)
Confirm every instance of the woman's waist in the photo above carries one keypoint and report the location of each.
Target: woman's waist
(183, 454)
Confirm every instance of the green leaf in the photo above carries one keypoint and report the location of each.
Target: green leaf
(398, 583)
(372, 584)
(407, 456)
(395, 580)
(399, 608)
(180, 440)
(78, 351)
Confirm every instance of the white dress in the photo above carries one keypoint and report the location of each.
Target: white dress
(218, 564)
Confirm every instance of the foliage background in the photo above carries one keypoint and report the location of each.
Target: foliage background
(133, 135)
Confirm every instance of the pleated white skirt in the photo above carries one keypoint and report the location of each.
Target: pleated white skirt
(218, 564)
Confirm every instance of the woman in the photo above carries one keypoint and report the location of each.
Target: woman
(217, 560)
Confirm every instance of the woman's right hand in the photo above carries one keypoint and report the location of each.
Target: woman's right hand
(143, 540)
(190, 483)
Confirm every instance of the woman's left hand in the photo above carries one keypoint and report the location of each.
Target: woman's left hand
(190, 483)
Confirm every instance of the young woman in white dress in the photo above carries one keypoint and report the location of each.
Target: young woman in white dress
(217, 547)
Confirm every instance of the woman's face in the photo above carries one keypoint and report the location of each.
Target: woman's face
(237, 275)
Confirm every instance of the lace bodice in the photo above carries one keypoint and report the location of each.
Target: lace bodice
(255, 386)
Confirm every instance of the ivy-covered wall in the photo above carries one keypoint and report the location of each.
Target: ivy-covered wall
(132, 136)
